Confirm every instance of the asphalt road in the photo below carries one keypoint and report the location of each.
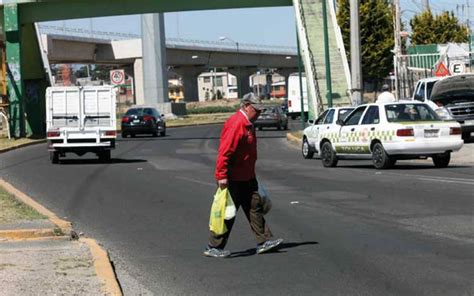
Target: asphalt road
(349, 230)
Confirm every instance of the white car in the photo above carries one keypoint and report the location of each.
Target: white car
(388, 132)
(323, 122)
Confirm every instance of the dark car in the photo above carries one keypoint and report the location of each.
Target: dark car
(454, 97)
(272, 116)
(143, 120)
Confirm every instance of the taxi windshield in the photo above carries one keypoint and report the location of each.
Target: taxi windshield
(409, 112)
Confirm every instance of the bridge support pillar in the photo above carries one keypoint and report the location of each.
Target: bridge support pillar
(245, 73)
(190, 83)
(155, 73)
(14, 71)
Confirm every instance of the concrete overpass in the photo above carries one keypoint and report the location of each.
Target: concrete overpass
(187, 58)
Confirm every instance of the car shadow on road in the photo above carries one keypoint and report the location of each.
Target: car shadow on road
(97, 161)
(280, 249)
(168, 138)
(404, 167)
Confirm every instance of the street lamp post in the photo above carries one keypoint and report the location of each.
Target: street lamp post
(239, 78)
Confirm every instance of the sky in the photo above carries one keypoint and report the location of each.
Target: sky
(265, 26)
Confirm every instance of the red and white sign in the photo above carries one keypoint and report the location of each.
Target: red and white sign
(441, 70)
(117, 77)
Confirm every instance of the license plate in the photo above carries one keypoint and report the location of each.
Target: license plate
(136, 121)
(431, 133)
(469, 122)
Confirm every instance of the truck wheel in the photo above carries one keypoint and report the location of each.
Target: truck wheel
(163, 133)
(306, 149)
(328, 156)
(285, 127)
(124, 135)
(278, 126)
(54, 157)
(380, 158)
(442, 160)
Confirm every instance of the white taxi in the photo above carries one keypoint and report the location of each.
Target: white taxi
(387, 132)
(323, 122)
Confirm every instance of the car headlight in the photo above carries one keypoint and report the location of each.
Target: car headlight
(443, 113)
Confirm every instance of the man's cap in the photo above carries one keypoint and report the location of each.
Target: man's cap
(385, 87)
(252, 99)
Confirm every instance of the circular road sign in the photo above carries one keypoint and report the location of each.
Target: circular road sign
(457, 68)
(117, 77)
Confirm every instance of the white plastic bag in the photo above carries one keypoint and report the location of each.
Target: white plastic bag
(230, 209)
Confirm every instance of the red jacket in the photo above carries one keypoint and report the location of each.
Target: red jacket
(237, 150)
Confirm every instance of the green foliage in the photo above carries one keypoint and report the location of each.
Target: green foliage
(213, 109)
(376, 35)
(437, 29)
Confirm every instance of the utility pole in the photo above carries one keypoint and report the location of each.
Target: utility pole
(397, 49)
(426, 5)
(356, 66)
(326, 55)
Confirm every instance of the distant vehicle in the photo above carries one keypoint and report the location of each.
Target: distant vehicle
(388, 132)
(272, 116)
(423, 89)
(323, 122)
(80, 120)
(454, 97)
(143, 120)
(294, 97)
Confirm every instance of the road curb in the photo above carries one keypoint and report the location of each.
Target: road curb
(22, 145)
(22, 234)
(63, 226)
(103, 267)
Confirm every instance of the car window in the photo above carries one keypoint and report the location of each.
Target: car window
(148, 111)
(330, 117)
(355, 116)
(371, 116)
(321, 118)
(343, 113)
(429, 88)
(270, 110)
(134, 111)
(419, 94)
(409, 112)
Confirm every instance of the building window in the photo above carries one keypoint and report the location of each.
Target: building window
(218, 81)
(207, 79)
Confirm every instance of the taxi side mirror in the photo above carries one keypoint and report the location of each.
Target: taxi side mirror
(340, 122)
(311, 121)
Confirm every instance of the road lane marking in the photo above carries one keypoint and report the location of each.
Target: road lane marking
(196, 181)
(446, 181)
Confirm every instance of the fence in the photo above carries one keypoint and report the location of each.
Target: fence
(414, 67)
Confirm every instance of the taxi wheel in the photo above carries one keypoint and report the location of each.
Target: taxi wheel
(54, 157)
(306, 149)
(328, 156)
(380, 158)
(442, 160)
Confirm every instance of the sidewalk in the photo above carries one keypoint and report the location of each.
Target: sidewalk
(38, 255)
(465, 156)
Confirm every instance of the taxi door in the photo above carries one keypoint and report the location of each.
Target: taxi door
(313, 134)
(348, 134)
(367, 129)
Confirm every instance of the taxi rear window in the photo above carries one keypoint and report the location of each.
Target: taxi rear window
(409, 112)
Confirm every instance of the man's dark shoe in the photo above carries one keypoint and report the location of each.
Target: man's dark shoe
(268, 245)
(216, 253)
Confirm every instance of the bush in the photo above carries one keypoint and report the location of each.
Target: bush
(213, 109)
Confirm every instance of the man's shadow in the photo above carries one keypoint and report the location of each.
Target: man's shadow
(279, 249)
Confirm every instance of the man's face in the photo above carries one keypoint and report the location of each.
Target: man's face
(252, 113)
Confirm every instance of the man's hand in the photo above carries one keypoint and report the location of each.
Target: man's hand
(222, 183)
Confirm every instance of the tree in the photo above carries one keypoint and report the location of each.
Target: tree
(102, 72)
(443, 28)
(376, 35)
